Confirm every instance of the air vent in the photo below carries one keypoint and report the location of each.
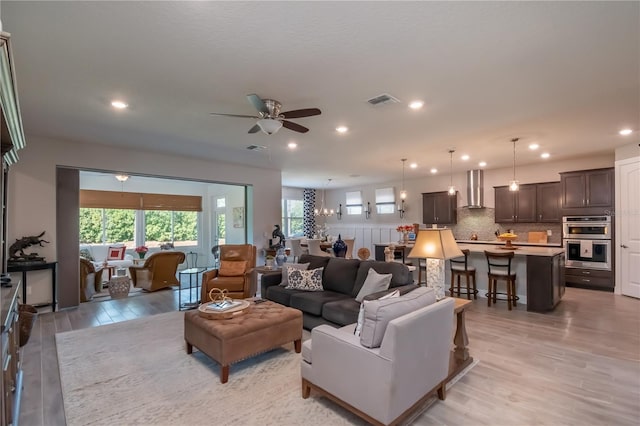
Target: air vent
(256, 147)
(383, 99)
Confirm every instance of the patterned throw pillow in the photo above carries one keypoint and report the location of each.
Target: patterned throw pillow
(86, 253)
(116, 253)
(310, 280)
(286, 270)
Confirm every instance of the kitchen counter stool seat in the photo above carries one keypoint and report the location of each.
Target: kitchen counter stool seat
(499, 266)
(459, 268)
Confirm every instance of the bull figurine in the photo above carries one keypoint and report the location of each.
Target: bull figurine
(20, 245)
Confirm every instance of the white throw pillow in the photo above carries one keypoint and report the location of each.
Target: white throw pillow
(373, 283)
(358, 329)
(286, 267)
(310, 280)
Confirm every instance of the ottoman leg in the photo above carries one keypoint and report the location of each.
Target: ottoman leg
(224, 374)
(297, 344)
(189, 348)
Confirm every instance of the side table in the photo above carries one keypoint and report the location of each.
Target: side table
(119, 287)
(25, 267)
(191, 272)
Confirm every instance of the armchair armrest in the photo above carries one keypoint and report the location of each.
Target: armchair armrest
(269, 280)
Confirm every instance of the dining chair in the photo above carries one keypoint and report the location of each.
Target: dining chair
(349, 242)
(314, 248)
(296, 249)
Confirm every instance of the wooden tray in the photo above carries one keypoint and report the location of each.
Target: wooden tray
(236, 310)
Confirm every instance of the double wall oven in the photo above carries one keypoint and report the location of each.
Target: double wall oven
(587, 242)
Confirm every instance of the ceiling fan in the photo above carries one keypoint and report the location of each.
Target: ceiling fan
(269, 117)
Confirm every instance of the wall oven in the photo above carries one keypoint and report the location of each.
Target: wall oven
(587, 253)
(586, 227)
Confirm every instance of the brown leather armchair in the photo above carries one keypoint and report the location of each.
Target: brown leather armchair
(234, 273)
(90, 280)
(158, 271)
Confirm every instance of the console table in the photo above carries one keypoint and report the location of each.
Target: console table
(25, 267)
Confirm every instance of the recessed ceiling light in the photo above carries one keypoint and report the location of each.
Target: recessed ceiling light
(292, 145)
(434, 171)
(625, 132)
(533, 146)
(545, 155)
(342, 129)
(482, 163)
(119, 104)
(416, 104)
(465, 157)
(413, 165)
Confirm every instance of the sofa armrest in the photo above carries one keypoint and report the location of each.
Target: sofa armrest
(269, 280)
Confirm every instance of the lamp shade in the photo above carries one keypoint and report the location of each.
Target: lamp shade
(435, 244)
(269, 125)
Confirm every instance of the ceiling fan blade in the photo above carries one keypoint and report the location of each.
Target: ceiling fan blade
(254, 129)
(258, 103)
(294, 126)
(300, 113)
(233, 115)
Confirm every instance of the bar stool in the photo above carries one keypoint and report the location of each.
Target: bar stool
(499, 265)
(460, 268)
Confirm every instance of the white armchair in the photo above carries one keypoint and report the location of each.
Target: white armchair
(382, 385)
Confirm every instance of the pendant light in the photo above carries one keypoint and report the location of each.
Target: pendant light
(403, 193)
(452, 189)
(513, 185)
(323, 211)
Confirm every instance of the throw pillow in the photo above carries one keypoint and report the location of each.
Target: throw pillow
(378, 313)
(116, 253)
(310, 280)
(374, 282)
(232, 268)
(358, 329)
(286, 267)
(86, 253)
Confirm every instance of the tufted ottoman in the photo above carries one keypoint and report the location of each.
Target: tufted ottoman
(262, 327)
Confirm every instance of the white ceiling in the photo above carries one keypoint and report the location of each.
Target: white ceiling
(563, 74)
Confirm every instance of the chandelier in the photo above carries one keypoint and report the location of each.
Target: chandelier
(323, 211)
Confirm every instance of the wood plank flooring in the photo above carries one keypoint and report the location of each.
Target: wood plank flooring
(577, 365)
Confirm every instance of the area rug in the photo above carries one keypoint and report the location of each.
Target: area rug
(137, 372)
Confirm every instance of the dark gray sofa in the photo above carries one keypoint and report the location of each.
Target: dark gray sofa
(342, 279)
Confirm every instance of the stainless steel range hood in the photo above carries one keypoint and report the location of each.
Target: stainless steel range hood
(475, 189)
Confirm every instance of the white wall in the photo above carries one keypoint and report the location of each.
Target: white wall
(628, 151)
(32, 194)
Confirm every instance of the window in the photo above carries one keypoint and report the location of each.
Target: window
(292, 220)
(385, 200)
(101, 226)
(354, 202)
(180, 228)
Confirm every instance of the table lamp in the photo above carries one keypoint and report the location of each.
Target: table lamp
(435, 245)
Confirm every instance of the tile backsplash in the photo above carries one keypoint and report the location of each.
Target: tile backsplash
(482, 223)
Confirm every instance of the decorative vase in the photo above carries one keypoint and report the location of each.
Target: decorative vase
(405, 237)
(340, 247)
(142, 254)
(281, 257)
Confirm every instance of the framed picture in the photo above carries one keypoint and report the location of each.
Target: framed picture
(238, 217)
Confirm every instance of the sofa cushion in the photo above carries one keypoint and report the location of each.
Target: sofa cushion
(358, 329)
(286, 271)
(343, 311)
(232, 268)
(280, 295)
(86, 253)
(116, 253)
(378, 313)
(373, 283)
(400, 274)
(312, 302)
(314, 262)
(229, 283)
(340, 275)
(307, 280)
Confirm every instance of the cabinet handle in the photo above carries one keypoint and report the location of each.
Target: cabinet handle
(586, 272)
(623, 246)
(586, 280)
(587, 201)
(540, 216)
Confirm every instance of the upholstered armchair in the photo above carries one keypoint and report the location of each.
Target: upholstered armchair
(234, 273)
(384, 373)
(159, 271)
(90, 279)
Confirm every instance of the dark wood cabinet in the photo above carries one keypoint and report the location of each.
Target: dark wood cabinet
(439, 208)
(587, 192)
(548, 202)
(596, 279)
(548, 275)
(515, 206)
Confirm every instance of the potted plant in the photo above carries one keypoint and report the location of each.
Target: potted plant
(142, 251)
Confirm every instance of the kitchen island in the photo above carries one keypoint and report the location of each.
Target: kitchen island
(539, 272)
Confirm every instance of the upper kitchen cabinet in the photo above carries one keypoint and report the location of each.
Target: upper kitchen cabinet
(587, 192)
(11, 120)
(515, 206)
(548, 202)
(439, 208)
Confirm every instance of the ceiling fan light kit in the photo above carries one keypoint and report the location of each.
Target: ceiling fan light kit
(269, 125)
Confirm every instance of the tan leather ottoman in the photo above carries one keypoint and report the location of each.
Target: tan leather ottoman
(262, 327)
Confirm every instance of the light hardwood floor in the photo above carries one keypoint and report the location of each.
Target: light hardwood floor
(577, 365)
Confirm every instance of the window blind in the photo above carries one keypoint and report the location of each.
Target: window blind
(139, 201)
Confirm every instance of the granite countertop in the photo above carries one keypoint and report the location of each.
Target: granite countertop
(515, 243)
(521, 251)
